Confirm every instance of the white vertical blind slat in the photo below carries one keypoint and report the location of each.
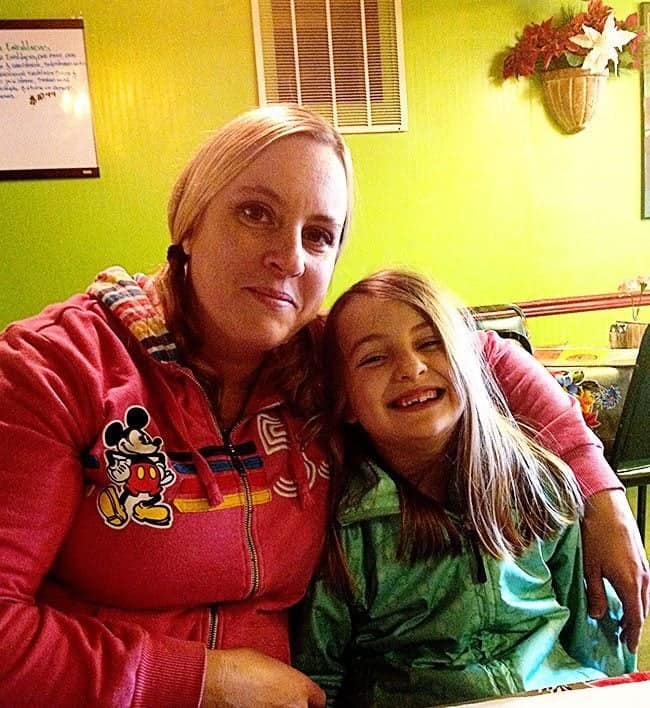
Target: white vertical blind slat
(330, 54)
(366, 76)
(296, 57)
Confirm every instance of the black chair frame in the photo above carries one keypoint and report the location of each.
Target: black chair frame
(630, 456)
(507, 320)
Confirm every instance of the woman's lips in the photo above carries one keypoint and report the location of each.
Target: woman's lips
(275, 299)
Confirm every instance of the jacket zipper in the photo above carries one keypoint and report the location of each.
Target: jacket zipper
(248, 522)
(212, 627)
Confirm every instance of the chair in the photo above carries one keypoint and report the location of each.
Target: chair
(507, 320)
(630, 456)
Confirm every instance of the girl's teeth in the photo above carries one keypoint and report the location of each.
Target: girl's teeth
(431, 395)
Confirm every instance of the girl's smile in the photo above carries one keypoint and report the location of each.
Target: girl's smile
(398, 380)
(418, 399)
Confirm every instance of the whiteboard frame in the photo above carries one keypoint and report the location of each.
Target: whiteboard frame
(50, 126)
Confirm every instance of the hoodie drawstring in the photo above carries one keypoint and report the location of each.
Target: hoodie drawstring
(299, 469)
(208, 479)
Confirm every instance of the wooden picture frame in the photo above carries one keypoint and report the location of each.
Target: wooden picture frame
(644, 21)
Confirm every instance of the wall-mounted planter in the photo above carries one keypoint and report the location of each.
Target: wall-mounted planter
(571, 96)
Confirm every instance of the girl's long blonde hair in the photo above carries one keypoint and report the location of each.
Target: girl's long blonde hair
(220, 160)
(509, 488)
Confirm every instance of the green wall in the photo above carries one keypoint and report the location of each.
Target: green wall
(482, 190)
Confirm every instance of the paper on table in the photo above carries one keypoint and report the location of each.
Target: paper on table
(586, 356)
(632, 695)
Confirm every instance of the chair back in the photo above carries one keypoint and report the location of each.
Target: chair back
(631, 451)
(508, 320)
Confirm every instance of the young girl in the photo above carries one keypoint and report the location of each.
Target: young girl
(454, 568)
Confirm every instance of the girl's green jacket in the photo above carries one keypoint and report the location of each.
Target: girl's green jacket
(454, 628)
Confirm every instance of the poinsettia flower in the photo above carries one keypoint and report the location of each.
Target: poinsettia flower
(604, 45)
(595, 16)
(630, 21)
(548, 45)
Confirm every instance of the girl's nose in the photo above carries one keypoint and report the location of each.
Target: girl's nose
(286, 254)
(410, 366)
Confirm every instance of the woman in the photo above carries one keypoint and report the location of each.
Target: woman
(455, 561)
(163, 496)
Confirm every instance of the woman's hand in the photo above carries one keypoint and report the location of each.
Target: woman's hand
(613, 550)
(244, 678)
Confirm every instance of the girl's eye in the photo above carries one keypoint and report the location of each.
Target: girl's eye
(430, 343)
(371, 360)
(256, 213)
(318, 236)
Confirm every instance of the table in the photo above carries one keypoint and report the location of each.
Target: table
(599, 378)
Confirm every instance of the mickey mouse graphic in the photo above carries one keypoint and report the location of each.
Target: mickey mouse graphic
(139, 468)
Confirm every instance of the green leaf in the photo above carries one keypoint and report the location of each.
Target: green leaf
(573, 59)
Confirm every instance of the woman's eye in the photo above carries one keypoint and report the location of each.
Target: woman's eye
(318, 236)
(256, 213)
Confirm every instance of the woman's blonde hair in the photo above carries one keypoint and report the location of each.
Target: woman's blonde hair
(221, 159)
(509, 488)
(233, 147)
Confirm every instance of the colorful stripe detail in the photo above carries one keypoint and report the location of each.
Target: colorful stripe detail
(130, 302)
(251, 463)
(229, 501)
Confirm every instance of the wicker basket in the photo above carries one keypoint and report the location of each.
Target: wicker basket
(571, 96)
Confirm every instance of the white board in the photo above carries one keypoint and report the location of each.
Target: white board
(46, 127)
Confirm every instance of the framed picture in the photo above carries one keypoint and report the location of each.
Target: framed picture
(645, 24)
(47, 128)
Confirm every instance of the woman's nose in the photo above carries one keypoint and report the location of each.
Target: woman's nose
(410, 366)
(286, 254)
